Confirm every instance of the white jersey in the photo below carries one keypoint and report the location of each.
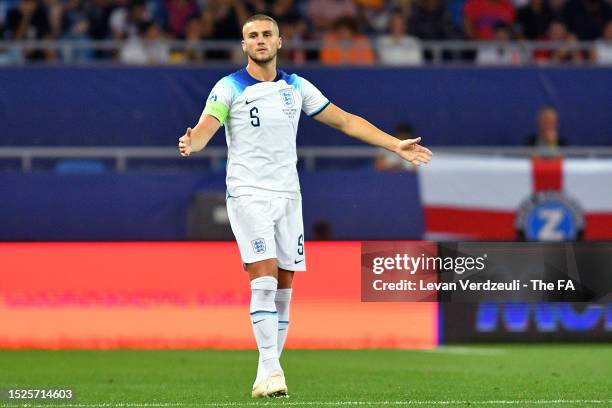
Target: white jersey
(261, 123)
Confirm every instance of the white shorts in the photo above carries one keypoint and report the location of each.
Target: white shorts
(267, 228)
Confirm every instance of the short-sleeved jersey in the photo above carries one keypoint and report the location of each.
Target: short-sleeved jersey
(261, 123)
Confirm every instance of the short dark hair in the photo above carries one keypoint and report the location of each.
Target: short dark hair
(261, 17)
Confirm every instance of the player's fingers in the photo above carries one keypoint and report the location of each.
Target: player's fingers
(423, 152)
(425, 155)
(424, 158)
(426, 150)
(188, 133)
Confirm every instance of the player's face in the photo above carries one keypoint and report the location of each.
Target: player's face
(548, 120)
(261, 41)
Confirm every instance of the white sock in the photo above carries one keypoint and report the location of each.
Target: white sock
(264, 319)
(282, 300)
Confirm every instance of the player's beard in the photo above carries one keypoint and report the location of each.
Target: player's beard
(263, 60)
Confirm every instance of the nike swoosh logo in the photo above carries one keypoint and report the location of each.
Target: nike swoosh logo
(247, 101)
(297, 262)
(267, 347)
(259, 321)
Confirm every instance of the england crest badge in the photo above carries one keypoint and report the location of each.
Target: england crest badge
(287, 98)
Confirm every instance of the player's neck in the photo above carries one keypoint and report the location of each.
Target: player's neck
(262, 72)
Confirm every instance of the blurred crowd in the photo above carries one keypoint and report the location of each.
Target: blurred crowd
(358, 32)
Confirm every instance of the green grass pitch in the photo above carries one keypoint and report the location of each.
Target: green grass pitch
(481, 375)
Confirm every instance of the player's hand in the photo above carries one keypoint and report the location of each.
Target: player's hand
(412, 151)
(184, 144)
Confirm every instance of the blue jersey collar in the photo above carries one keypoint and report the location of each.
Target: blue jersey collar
(246, 79)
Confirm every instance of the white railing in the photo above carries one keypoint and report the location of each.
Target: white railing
(309, 155)
(440, 52)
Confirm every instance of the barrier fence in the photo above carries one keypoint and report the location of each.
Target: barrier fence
(438, 52)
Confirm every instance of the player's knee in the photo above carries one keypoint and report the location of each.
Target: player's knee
(267, 267)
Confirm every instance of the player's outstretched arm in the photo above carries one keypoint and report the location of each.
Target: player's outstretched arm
(359, 128)
(197, 138)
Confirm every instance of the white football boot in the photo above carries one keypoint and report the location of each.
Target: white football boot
(276, 385)
(272, 386)
(259, 389)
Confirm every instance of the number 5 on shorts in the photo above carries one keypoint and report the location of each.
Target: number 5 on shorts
(300, 250)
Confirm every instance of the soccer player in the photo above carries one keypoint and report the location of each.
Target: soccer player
(260, 108)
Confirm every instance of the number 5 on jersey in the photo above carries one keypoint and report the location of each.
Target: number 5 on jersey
(254, 118)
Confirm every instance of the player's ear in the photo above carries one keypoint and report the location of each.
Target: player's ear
(280, 42)
(243, 46)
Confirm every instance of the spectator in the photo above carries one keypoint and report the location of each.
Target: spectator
(455, 8)
(75, 27)
(78, 33)
(98, 13)
(179, 12)
(548, 129)
(222, 20)
(292, 28)
(480, 17)
(149, 48)
(194, 33)
(374, 16)
(587, 18)
(284, 11)
(534, 19)
(603, 47)
(125, 21)
(557, 32)
(404, 7)
(28, 21)
(501, 53)
(74, 13)
(55, 10)
(386, 160)
(397, 48)
(324, 13)
(344, 45)
(5, 6)
(431, 20)
(257, 7)
(556, 9)
(292, 34)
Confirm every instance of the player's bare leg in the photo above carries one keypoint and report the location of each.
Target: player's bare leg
(264, 319)
(285, 278)
(267, 267)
